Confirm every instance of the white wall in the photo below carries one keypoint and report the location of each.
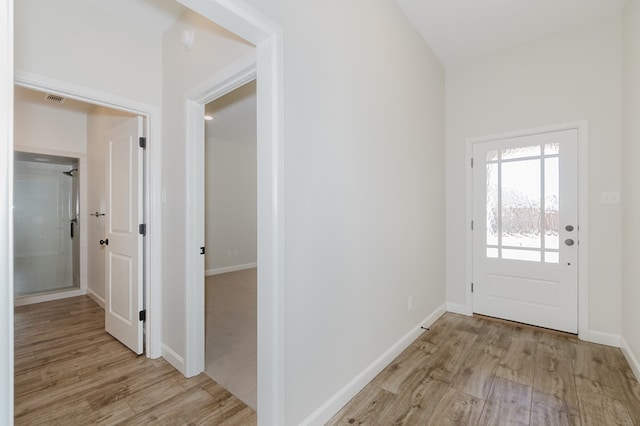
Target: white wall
(49, 128)
(630, 182)
(71, 41)
(574, 75)
(99, 121)
(231, 185)
(213, 49)
(364, 167)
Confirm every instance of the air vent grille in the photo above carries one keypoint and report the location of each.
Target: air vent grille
(54, 98)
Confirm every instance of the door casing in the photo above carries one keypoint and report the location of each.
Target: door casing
(251, 25)
(583, 203)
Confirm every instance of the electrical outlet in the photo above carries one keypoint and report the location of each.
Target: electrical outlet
(409, 303)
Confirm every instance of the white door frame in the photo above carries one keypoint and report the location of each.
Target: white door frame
(6, 212)
(152, 178)
(583, 210)
(244, 21)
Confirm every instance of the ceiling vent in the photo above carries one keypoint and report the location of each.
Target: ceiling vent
(54, 98)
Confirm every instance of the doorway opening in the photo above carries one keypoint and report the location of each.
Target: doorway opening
(79, 135)
(230, 241)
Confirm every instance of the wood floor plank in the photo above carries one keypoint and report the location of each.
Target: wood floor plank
(478, 371)
(417, 400)
(518, 361)
(597, 410)
(404, 366)
(554, 383)
(546, 415)
(365, 408)
(447, 360)
(495, 334)
(508, 403)
(456, 408)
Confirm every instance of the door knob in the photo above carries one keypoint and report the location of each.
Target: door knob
(569, 228)
(104, 242)
(568, 242)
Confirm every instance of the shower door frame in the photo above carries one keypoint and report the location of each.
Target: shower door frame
(82, 169)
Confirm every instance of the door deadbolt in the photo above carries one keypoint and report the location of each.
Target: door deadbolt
(569, 228)
(569, 242)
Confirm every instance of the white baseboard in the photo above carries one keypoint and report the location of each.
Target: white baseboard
(344, 395)
(93, 295)
(602, 338)
(47, 297)
(173, 358)
(632, 359)
(459, 309)
(225, 269)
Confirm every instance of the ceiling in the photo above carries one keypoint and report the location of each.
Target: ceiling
(459, 31)
(154, 16)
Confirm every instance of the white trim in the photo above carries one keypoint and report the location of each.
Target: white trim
(6, 212)
(153, 153)
(172, 357)
(246, 22)
(327, 410)
(583, 213)
(225, 269)
(457, 308)
(96, 298)
(632, 359)
(601, 338)
(47, 297)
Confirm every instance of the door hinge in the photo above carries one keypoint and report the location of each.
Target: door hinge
(142, 229)
(142, 315)
(142, 141)
(472, 225)
(202, 250)
(471, 287)
(472, 162)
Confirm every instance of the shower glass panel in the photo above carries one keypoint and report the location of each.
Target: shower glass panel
(46, 231)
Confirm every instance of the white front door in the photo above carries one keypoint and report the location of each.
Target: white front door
(123, 241)
(525, 237)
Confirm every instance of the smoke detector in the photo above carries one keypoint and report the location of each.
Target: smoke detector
(54, 98)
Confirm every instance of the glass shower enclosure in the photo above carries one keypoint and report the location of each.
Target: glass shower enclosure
(46, 224)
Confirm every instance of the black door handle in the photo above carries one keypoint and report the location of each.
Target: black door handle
(71, 230)
(104, 242)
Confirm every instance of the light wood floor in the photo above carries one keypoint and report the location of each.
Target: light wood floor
(69, 371)
(475, 371)
(463, 371)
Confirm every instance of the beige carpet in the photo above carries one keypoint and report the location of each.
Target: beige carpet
(231, 333)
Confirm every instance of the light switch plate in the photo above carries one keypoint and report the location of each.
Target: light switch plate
(611, 197)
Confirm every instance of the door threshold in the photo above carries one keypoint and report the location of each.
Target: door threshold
(527, 326)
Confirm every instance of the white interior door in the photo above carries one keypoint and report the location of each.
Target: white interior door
(124, 244)
(525, 237)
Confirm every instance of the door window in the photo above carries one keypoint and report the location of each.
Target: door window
(522, 187)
